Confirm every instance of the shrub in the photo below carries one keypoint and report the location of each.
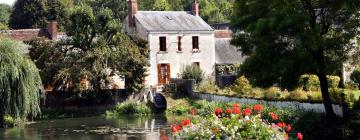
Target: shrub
(193, 72)
(315, 96)
(257, 93)
(355, 76)
(352, 86)
(9, 121)
(312, 83)
(335, 94)
(272, 93)
(208, 86)
(132, 108)
(298, 95)
(242, 86)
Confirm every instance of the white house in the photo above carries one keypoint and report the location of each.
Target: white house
(176, 39)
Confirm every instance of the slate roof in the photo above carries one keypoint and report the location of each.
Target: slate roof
(225, 53)
(162, 21)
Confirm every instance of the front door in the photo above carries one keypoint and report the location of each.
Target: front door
(163, 73)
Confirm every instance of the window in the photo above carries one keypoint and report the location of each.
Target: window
(179, 44)
(162, 43)
(195, 42)
(197, 64)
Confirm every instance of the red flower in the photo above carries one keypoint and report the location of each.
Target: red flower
(193, 111)
(273, 116)
(218, 112)
(236, 105)
(288, 128)
(247, 112)
(164, 137)
(299, 136)
(258, 107)
(175, 128)
(187, 121)
(229, 111)
(281, 124)
(182, 123)
(236, 110)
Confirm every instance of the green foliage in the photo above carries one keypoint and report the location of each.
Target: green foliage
(9, 121)
(288, 39)
(208, 86)
(242, 86)
(28, 14)
(272, 93)
(193, 72)
(5, 11)
(161, 5)
(312, 83)
(20, 82)
(355, 76)
(131, 108)
(212, 11)
(298, 95)
(95, 44)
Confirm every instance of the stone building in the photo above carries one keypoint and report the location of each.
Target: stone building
(175, 38)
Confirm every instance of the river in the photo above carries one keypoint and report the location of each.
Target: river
(94, 128)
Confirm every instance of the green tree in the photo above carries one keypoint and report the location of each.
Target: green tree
(28, 14)
(20, 83)
(5, 11)
(161, 5)
(57, 11)
(286, 39)
(96, 43)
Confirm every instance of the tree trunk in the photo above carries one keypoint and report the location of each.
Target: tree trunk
(325, 95)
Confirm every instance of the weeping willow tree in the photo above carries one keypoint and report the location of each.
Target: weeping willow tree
(20, 82)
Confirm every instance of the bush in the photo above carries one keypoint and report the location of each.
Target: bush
(257, 93)
(9, 121)
(298, 95)
(242, 86)
(272, 93)
(355, 76)
(208, 86)
(193, 72)
(315, 96)
(312, 83)
(132, 108)
(335, 95)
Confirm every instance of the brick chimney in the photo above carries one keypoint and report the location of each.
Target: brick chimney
(133, 8)
(195, 8)
(52, 29)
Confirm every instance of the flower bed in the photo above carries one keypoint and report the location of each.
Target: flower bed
(233, 122)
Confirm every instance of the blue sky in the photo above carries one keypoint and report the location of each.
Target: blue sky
(10, 2)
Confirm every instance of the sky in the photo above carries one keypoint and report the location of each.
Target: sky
(10, 2)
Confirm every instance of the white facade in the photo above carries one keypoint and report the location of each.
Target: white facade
(205, 55)
(178, 59)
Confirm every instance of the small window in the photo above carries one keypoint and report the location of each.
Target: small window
(179, 43)
(195, 42)
(162, 43)
(197, 64)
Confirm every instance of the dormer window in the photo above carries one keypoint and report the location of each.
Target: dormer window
(162, 40)
(195, 43)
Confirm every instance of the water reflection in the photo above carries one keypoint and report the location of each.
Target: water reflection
(93, 128)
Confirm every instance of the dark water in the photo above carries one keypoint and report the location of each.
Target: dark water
(93, 128)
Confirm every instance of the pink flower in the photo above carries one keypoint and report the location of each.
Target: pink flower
(288, 128)
(247, 112)
(281, 124)
(299, 136)
(193, 111)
